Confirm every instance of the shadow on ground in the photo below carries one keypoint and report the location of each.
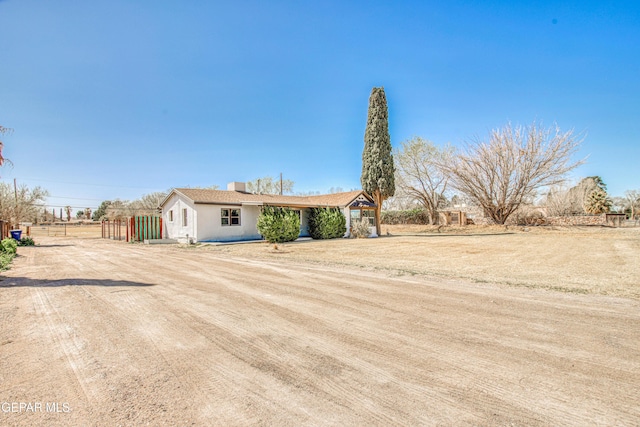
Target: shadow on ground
(14, 282)
(44, 246)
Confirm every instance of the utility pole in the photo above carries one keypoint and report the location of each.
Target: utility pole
(281, 183)
(15, 191)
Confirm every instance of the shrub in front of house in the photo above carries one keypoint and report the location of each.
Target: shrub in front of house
(361, 228)
(326, 223)
(278, 225)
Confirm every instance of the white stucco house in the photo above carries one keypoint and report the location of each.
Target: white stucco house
(198, 215)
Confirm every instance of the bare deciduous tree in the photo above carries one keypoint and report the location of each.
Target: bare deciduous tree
(557, 201)
(269, 185)
(501, 173)
(147, 204)
(561, 201)
(420, 176)
(4, 131)
(21, 204)
(632, 202)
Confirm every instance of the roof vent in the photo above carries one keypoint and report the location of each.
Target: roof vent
(237, 186)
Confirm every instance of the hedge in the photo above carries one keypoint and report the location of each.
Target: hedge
(413, 216)
(279, 225)
(327, 223)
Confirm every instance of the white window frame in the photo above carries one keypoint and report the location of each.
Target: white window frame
(185, 213)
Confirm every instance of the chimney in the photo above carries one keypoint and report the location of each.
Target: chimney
(237, 186)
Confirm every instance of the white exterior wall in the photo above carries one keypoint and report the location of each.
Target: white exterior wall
(210, 226)
(174, 229)
(347, 214)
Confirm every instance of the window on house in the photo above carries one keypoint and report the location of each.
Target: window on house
(184, 217)
(370, 215)
(230, 216)
(171, 215)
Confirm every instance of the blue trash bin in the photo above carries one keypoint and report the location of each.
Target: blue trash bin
(16, 234)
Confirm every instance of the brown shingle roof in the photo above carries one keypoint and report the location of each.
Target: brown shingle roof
(237, 197)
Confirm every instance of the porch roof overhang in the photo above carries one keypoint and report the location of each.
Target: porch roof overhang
(362, 204)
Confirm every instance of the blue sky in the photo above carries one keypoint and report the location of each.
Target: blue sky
(115, 99)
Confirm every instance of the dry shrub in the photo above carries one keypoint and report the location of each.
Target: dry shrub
(361, 228)
(528, 215)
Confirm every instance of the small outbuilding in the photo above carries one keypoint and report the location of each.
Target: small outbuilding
(453, 218)
(615, 219)
(200, 215)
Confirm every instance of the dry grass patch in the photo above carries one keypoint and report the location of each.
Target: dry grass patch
(578, 260)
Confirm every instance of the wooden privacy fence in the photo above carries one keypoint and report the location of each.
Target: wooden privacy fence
(136, 229)
(5, 227)
(145, 227)
(114, 229)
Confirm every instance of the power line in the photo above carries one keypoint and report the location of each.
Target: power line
(74, 198)
(88, 184)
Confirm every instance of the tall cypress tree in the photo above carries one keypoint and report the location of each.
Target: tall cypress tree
(377, 161)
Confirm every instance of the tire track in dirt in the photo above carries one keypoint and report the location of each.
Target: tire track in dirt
(195, 319)
(64, 339)
(84, 363)
(232, 341)
(493, 366)
(378, 350)
(194, 359)
(139, 319)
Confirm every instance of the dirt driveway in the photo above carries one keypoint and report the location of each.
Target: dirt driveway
(96, 332)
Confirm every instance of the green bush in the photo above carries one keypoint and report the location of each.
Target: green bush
(279, 225)
(413, 216)
(9, 246)
(5, 260)
(26, 241)
(326, 223)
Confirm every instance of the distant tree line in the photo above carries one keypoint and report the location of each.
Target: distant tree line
(513, 168)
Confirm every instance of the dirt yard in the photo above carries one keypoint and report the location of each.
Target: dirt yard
(532, 328)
